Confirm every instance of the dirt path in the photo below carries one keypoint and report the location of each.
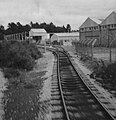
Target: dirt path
(3, 82)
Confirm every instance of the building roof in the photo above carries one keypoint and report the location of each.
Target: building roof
(111, 19)
(38, 30)
(90, 22)
(98, 21)
(67, 34)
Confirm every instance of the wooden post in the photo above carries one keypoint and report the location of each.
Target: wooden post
(25, 35)
(100, 38)
(92, 43)
(91, 52)
(45, 46)
(21, 35)
(16, 36)
(110, 54)
(110, 50)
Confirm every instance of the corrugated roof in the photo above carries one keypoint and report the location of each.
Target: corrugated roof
(98, 21)
(67, 34)
(90, 22)
(39, 30)
(111, 19)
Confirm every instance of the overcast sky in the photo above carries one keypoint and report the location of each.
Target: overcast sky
(60, 12)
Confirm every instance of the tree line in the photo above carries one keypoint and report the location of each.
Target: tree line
(13, 28)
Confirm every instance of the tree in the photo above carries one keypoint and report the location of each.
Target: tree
(50, 28)
(1, 32)
(64, 29)
(19, 24)
(68, 28)
(31, 24)
(1, 28)
(13, 27)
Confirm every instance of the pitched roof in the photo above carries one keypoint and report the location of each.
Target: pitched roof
(98, 21)
(90, 22)
(111, 19)
(67, 34)
(38, 30)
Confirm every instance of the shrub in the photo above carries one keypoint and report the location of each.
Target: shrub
(106, 72)
(8, 73)
(34, 52)
(18, 55)
(110, 71)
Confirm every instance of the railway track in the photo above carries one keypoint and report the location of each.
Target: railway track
(71, 98)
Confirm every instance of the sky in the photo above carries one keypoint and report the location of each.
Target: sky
(60, 12)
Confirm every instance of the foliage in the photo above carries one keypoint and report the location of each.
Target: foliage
(68, 28)
(84, 58)
(110, 71)
(17, 28)
(1, 32)
(14, 28)
(34, 52)
(50, 28)
(18, 55)
(8, 73)
(105, 72)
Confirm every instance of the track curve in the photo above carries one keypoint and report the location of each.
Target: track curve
(71, 98)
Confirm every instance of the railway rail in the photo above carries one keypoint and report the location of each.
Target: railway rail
(73, 98)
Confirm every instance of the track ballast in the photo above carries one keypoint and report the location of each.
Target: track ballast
(71, 98)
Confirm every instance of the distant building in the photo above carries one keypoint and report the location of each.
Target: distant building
(104, 31)
(89, 30)
(38, 35)
(65, 38)
(108, 29)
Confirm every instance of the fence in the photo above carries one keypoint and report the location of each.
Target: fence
(88, 49)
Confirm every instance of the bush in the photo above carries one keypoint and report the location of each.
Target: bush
(110, 71)
(32, 48)
(8, 73)
(106, 72)
(84, 58)
(18, 55)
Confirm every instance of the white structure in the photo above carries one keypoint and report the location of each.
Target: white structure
(39, 35)
(65, 38)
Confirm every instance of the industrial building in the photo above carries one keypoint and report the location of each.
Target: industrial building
(108, 30)
(89, 30)
(65, 38)
(104, 31)
(38, 35)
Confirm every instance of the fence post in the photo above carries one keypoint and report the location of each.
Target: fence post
(45, 46)
(91, 52)
(110, 50)
(110, 54)
(92, 45)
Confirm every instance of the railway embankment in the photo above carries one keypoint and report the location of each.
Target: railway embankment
(28, 95)
(87, 70)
